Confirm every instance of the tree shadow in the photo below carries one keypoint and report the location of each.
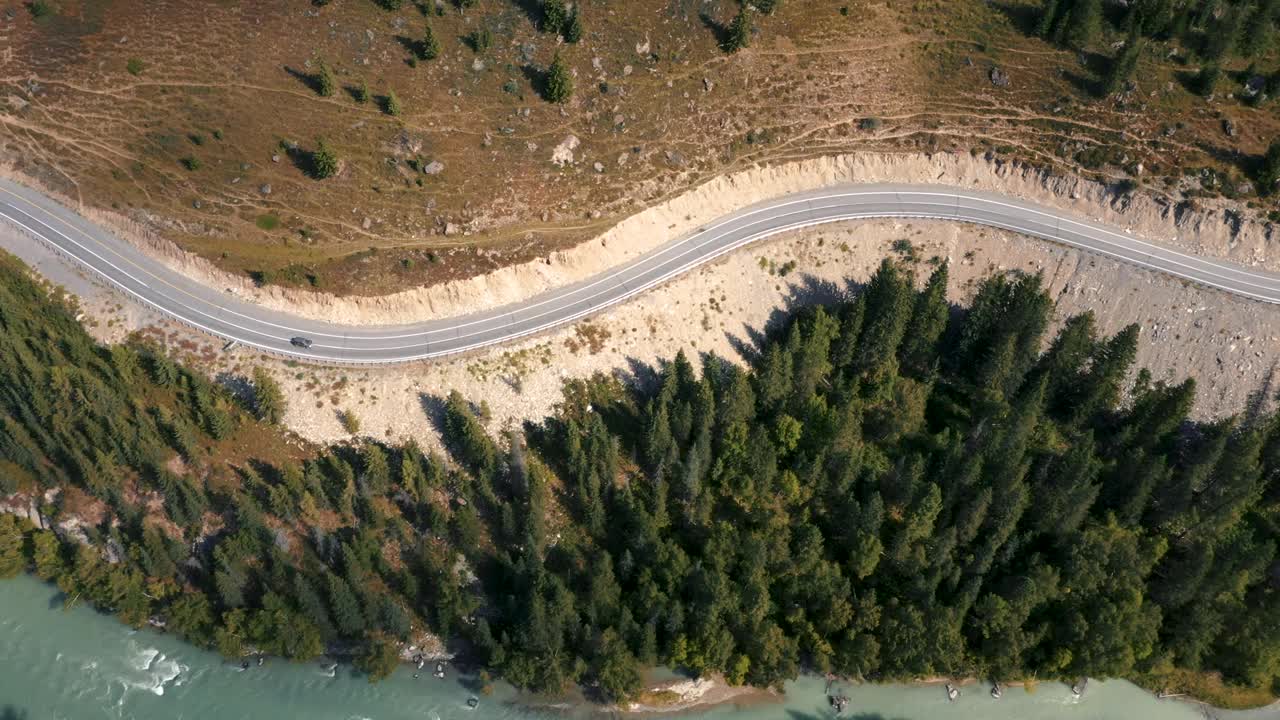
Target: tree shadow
(311, 81)
(384, 103)
(810, 292)
(1095, 67)
(1246, 163)
(536, 77)
(1025, 18)
(719, 30)
(1085, 84)
(13, 712)
(412, 45)
(532, 9)
(433, 408)
(638, 374)
(1189, 80)
(303, 160)
(353, 92)
(239, 387)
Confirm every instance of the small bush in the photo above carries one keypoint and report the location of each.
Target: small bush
(196, 139)
(268, 222)
(870, 124)
(40, 9)
(350, 421)
(390, 4)
(391, 104)
(135, 66)
(361, 92)
(191, 163)
(480, 40)
(217, 134)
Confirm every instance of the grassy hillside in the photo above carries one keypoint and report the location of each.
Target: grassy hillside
(201, 119)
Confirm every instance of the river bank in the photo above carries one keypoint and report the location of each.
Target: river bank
(81, 664)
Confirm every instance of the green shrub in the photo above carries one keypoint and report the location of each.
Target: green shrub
(391, 104)
(134, 66)
(480, 40)
(191, 163)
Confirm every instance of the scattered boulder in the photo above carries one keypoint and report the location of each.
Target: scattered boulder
(999, 77)
(1254, 85)
(674, 157)
(366, 223)
(643, 48)
(435, 167)
(707, 85)
(275, 158)
(563, 153)
(1229, 127)
(265, 188)
(599, 167)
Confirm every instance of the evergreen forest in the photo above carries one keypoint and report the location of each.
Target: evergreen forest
(895, 488)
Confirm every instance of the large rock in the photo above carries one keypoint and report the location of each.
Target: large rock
(563, 153)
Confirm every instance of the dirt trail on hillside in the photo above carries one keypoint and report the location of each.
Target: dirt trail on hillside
(1208, 228)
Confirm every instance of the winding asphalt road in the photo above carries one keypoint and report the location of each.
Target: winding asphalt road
(221, 314)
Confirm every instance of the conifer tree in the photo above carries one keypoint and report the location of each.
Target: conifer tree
(1084, 25)
(325, 84)
(324, 161)
(268, 399)
(429, 46)
(573, 26)
(559, 83)
(739, 32)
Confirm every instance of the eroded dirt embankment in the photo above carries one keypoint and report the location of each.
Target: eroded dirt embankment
(1208, 228)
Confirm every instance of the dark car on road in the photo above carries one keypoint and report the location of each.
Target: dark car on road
(301, 342)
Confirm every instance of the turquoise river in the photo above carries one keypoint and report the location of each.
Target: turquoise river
(81, 665)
